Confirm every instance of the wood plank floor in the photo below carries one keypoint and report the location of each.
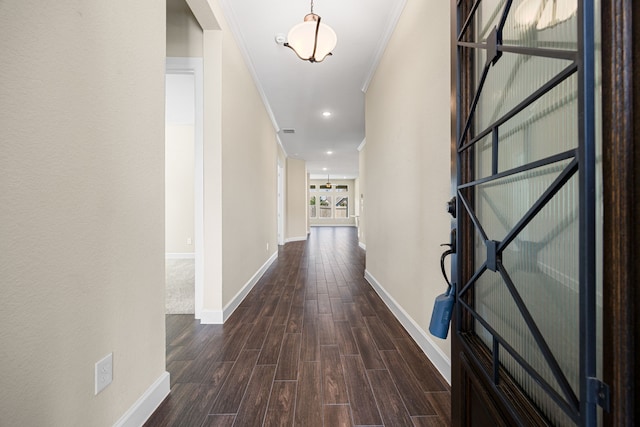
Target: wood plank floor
(311, 345)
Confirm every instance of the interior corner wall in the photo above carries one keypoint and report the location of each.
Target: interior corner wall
(249, 171)
(81, 208)
(184, 33)
(361, 196)
(408, 162)
(296, 228)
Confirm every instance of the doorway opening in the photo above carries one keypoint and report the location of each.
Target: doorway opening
(183, 186)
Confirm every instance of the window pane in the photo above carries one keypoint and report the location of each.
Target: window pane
(325, 207)
(313, 213)
(342, 207)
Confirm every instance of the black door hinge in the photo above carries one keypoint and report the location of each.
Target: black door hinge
(598, 392)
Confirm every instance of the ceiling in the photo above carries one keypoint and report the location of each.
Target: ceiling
(297, 92)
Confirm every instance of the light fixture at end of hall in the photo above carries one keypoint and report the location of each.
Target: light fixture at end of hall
(312, 40)
(328, 184)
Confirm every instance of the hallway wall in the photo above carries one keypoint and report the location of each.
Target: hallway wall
(249, 171)
(81, 207)
(296, 197)
(407, 160)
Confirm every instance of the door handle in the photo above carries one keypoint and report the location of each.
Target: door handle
(443, 306)
(451, 250)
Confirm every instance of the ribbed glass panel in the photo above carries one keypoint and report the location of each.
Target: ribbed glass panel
(510, 81)
(543, 260)
(487, 18)
(483, 157)
(548, 126)
(550, 24)
(551, 410)
(500, 204)
(543, 264)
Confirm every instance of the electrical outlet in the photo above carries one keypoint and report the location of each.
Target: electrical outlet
(189, 241)
(104, 373)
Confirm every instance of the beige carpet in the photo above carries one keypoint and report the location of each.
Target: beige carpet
(180, 283)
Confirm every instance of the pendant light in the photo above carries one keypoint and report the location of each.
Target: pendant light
(328, 184)
(312, 40)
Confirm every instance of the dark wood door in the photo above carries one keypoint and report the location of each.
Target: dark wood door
(527, 347)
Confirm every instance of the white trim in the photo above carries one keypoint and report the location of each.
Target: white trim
(281, 146)
(211, 317)
(394, 17)
(236, 300)
(295, 239)
(146, 404)
(332, 225)
(362, 144)
(280, 203)
(180, 255)
(227, 10)
(218, 317)
(195, 66)
(362, 245)
(440, 360)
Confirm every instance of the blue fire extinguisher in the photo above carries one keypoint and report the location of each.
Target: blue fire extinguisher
(443, 306)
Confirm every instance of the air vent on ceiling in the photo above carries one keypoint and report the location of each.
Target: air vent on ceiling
(288, 131)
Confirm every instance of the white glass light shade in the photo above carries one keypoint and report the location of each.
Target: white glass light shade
(302, 39)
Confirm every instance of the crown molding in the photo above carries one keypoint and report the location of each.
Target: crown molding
(227, 10)
(394, 17)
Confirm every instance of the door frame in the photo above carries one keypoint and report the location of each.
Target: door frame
(621, 180)
(621, 210)
(194, 66)
(280, 204)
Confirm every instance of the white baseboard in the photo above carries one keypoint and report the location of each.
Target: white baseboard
(440, 360)
(218, 317)
(211, 317)
(333, 225)
(140, 412)
(363, 246)
(236, 300)
(295, 239)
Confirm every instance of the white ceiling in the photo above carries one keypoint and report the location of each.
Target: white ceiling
(297, 92)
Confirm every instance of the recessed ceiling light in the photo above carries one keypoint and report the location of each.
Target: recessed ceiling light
(324, 169)
(326, 113)
(329, 152)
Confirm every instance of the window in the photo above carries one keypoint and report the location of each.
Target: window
(313, 213)
(325, 207)
(342, 206)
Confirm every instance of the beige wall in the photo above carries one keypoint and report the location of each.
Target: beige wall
(362, 197)
(81, 207)
(179, 188)
(184, 34)
(249, 171)
(296, 190)
(408, 163)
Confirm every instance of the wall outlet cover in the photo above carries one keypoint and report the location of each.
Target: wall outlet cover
(103, 373)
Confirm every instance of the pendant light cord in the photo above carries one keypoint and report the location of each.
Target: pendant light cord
(311, 6)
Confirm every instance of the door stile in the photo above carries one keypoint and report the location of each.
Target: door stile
(621, 181)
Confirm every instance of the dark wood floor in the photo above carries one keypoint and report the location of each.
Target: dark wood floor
(311, 345)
